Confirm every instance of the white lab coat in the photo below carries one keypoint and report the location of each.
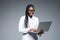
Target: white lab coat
(32, 22)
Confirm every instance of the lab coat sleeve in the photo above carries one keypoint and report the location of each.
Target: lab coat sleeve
(22, 27)
(37, 23)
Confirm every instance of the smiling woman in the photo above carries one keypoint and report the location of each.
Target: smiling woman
(28, 24)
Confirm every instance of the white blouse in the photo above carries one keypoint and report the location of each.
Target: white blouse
(32, 23)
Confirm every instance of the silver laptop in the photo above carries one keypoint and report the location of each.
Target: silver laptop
(44, 25)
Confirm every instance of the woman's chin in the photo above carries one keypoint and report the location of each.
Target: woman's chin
(30, 16)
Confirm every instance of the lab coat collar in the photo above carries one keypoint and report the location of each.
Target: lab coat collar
(31, 18)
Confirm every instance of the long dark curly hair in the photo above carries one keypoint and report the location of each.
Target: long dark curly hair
(27, 13)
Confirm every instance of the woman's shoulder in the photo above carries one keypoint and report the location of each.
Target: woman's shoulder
(22, 17)
(36, 17)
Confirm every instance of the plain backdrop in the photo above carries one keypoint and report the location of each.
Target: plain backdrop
(12, 10)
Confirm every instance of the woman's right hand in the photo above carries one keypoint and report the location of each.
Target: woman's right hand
(32, 30)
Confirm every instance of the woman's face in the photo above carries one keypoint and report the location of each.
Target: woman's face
(31, 11)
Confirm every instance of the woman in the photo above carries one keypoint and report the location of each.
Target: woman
(28, 24)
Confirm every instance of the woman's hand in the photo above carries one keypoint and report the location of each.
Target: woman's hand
(41, 32)
(32, 30)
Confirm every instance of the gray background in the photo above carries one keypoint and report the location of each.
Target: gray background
(12, 10)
